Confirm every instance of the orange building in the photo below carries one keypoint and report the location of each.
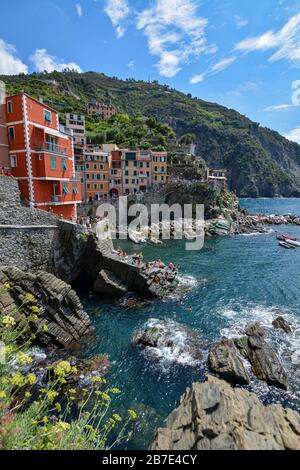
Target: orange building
(41, 156)
(96, 173)
(159, 169)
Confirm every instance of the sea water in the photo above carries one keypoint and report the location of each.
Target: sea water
(229, 283)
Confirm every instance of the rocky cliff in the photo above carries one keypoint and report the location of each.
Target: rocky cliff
(59, 308)
(215, 416)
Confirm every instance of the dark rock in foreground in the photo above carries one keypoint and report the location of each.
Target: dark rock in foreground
(281, 324)
(60, 309)
(215, 416)
(224, 361)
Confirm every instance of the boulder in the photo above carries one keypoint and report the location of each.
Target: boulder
(62, 320)
(281, 324)
(109, 285)
(255, 329)
(262, 357)
(224, 361)
(214, 416)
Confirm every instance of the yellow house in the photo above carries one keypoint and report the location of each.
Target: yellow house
(159, 169)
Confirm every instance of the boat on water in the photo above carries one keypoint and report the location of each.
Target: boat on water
(286, 245)
(293, 243)
(287, 237)
(136, 237)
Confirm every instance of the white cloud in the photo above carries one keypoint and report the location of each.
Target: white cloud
(294, 135)
(10, 64)
(78, 9)
(278, 107)
(286, 41)
(118, 11)
(240, 21)
(218, 67)
(175, 32)
(44, 61)
(131, 65)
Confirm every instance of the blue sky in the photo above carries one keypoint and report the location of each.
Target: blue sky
(242, 54)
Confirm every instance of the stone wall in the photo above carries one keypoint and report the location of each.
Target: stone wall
(26, 235)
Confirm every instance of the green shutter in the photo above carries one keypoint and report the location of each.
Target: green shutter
(64, 164)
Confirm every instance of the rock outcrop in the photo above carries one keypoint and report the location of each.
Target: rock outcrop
(281, 323)
(262, 357)
(60, 309)
(109, 285)
(215, 416)
(224, 361)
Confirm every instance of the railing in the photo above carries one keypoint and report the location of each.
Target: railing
(52, 148)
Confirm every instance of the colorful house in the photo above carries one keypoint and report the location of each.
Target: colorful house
(76, 123)
(41, 156)
(159, 169)
(145, 170)
(96, 173)
(116, 174)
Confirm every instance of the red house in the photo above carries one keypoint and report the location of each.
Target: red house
(41, 156)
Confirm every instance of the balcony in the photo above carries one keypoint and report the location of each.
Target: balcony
(48, 147)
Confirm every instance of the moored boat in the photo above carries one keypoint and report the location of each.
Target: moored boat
(286, 245)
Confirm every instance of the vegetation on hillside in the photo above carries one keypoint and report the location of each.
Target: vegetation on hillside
(259, 161)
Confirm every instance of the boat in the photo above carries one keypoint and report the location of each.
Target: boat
(287, 237)
(293, 243)
(136, 237)
(156, 241)
(287, 246)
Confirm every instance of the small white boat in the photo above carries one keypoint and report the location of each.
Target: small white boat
(136, 237)
(293, 243)
(156, 241)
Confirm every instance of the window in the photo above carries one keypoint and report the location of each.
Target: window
(41, 158)
(148, 164)
(87, 166)
(87, 176)
(95, 166)
(65, 188)
(9, 106)
(13, 161)
(88, 186)
(75, 188)
(95, 186)
(47, 115)
(53, 163)
(11, 133)
(64, 166)
(126, 181)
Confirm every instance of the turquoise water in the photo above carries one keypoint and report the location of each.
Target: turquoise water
(231, 281)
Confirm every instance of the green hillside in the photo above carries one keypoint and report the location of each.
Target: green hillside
(260, 162)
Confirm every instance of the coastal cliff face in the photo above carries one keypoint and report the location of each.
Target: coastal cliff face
(215, 416)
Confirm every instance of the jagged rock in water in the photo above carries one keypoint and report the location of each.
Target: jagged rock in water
(224, 361)
(215, 416)
(61, 311)
(255, 329)
(280, 323)
(262, 357)
(109, 285)
(167, 340)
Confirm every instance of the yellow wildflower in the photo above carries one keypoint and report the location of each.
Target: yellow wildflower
(31, 378)
(17, 379)
(132, 414)
(8, 321)
(2, 394)
(51, 395)
(29, 297)
(35, 309)
(6, 285)
(57, 407)
(23, 359)
(45, 328)
(117, 417)
(27, 394)
(115, 391)
(62, 368)
(61, 426)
